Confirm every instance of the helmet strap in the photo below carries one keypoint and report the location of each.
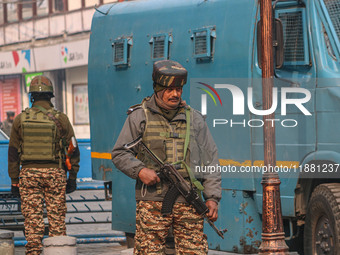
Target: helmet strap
(41, 96)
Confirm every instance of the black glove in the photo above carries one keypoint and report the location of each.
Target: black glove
(71, 185)
(15, 191)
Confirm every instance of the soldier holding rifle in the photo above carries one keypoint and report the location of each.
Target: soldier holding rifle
(178, 136)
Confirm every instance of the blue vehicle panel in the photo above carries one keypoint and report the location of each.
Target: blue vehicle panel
(84, 173)
(117, 82)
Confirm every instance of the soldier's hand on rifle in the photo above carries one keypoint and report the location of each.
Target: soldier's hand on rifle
(148, 176)
(213, 210)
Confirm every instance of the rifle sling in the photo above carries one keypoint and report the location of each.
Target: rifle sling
(193, 180)
(51, 117)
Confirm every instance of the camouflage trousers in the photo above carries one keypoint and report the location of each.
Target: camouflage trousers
(37, 185)
(152, 229)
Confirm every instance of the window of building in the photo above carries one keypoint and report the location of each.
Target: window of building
(109, 1)
(59, 5)
(27, 9)
(89, 3)
(12, 12)
(42, 7)
(73, 5)
(1, 13)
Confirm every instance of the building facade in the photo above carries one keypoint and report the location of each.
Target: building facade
(49, 37)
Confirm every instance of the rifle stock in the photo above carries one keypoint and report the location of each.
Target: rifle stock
(178, 186)
(71, 148)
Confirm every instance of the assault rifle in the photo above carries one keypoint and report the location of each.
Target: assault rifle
(178, 186)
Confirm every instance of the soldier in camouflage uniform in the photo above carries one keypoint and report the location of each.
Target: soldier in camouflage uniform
(162, 121)
(38, 140)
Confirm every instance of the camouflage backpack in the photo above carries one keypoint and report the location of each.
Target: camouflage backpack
(39, 135)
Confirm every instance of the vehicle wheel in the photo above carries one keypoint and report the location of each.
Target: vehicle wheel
(322, 226)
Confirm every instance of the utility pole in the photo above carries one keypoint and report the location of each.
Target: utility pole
(273, 238)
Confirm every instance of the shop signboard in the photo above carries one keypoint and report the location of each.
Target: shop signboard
(17, 61)
(52, 57)
(80, 104)
(10, 96)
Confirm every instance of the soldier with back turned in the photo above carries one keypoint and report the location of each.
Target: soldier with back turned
(38, 142)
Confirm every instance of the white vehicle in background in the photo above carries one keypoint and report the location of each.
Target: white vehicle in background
(3, 136)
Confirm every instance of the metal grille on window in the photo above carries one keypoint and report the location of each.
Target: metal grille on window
(119, 52)
(204, 42)
(328, 43)
(295, 37)
(201, 43)
(158, 47)
(333, 7)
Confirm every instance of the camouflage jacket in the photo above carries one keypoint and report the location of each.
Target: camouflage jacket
(16, 139)
(126, 161)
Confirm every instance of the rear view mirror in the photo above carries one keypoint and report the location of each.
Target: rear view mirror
(277, 43)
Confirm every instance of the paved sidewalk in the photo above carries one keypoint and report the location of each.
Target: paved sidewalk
(102, 248)
(116, 249)
(90, 249)
(211, 252)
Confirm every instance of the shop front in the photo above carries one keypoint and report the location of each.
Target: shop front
(64, 63)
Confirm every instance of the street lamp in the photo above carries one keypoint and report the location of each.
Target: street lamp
(273, 238)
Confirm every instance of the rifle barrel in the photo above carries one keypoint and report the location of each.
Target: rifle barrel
(219, 232)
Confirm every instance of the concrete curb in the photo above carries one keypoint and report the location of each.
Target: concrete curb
(211, 252)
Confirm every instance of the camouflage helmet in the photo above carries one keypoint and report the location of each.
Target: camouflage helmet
(41, 84)
(168, 73)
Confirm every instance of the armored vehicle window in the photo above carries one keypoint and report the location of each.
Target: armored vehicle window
(204, 40)
(160, 46)
(333, 8)
(121, 51)
(295, 36)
